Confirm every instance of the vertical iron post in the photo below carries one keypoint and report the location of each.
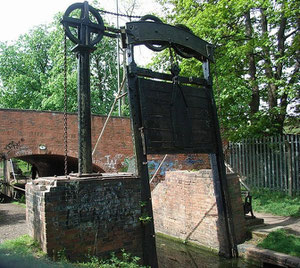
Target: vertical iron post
(84, 111)
(219, 177)
(89, 29)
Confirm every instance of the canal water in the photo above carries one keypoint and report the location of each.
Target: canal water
(172, 254)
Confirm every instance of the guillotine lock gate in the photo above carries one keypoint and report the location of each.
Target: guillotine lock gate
(170, 114)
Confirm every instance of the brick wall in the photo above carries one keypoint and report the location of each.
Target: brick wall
(185, 207)
(23, 131)
(85, 216)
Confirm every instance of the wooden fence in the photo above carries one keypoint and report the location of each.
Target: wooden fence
(271, 162)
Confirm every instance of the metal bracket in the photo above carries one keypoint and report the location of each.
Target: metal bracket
(141, 129)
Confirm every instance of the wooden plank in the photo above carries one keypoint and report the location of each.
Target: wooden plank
(297, 160)
(265, 163)
(271, 182)
(166, 125)
(169, 77)
(204, 148)
(258, 161)
(161, 92)
(285, 166)
(281, 153)
(293, 162)
(289, 162)
(276, 162)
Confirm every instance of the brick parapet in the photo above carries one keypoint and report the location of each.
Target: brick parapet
(85, 216)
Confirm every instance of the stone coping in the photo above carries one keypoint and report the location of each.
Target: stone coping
(85, 178)
(56, 112)
(268, 256)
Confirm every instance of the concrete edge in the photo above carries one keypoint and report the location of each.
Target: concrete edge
(249, 251)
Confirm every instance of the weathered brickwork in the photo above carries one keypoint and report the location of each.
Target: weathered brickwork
(185, 207)
(85, 216)
(23, 132)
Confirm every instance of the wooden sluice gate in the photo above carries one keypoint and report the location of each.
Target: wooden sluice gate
(12, 180)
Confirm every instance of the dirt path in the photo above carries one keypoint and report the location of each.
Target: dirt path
(12, 221)
(275, 222)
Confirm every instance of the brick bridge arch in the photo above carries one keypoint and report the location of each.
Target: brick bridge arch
(37, 137)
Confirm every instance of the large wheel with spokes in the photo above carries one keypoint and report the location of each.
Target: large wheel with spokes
(79, 18)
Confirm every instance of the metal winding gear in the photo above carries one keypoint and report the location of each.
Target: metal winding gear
(89, 25)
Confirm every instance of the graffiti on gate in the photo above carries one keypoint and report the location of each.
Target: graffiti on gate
(112, 162)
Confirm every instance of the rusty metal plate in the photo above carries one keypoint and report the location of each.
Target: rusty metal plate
(176, 119)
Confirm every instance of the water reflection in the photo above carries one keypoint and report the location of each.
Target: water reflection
(177, 255)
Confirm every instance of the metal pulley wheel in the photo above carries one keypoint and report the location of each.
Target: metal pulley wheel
(85, 22)
(181, 50)
(155, 46)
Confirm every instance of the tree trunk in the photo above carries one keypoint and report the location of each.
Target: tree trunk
(254, 103)
(284, 97)
(272, 92)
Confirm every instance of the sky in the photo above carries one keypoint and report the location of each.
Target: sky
(19, 16)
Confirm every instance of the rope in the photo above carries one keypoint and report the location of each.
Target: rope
(109, 115)
(118, 14)
(65, 107)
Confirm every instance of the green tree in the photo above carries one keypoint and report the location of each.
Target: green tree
(32, 72)
(256, 74)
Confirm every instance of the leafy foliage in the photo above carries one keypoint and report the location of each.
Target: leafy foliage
(256, 74)
(281, 241)
(32, 72)
(126, 261)
(24, 250)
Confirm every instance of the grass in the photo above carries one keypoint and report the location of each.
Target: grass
(23, 205)
(283, 242)
(23, 245)
(276, 203)
(25, 252)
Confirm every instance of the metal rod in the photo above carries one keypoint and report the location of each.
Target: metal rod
(156, 171)
(241, 177)
(122, 95)
(109, 115)
(118, 56)
(15, 187)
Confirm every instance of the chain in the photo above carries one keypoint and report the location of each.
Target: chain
(65, 106)
(118, 14)
(171, 56)
(174, 66)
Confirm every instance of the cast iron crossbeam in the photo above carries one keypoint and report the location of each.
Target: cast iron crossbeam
(143, 32)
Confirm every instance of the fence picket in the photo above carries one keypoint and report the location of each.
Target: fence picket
(264, 162)
(297, 166)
